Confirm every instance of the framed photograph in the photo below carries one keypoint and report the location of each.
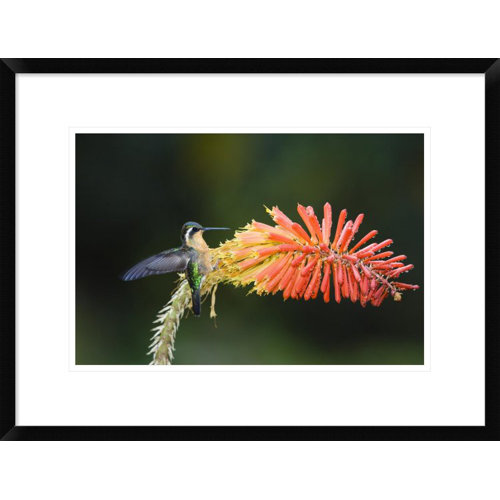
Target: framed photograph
(249, 249)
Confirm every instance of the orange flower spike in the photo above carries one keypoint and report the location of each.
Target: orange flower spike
(300, 282)
(340, 225)
(397, 272)
(277, 275)
(262, 274)
(365, 270)
(336, 284)
(248, 275)
(351, 258)
(345, 284)
(344, 234)
(287, 258)
(355, 272)
(275, 230)
(346, 231)
(384, 244)
(314, 282)
(270, 250)
(326, 225)
(378, 292)
(280, 218)
(396, 259)
(314, 223)
(252, 237)
(347, 238)
(324, 247)
(286, 283)
(299, 231)
(363, 240)
(305, 217)
(340, 275)
(299, 287)
(309, 266)
(317, 282)
(308, 291)
(365, 252)
(287, 290)
(326, 276)
(375, 301)
(352, 286)
(355, 286)
(260, 226)
(293, 282)
(364, 286)
(298, 259)
(355, 227)
(379, 301)
(326, 293)
(285, 280)
(357, 223)
(246, 264)
(380, 264)
(244, 252)
(406, 286)
(279, 237)
(269, 271)
(349, 280)
(379, 256)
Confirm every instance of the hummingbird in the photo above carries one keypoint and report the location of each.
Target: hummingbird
(193, 256)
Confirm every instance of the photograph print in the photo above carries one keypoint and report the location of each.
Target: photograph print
(249, 249)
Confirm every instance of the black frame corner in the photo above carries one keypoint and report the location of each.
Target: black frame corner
(8, 70)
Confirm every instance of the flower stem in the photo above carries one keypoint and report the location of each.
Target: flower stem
(162, 346)
(168, 319)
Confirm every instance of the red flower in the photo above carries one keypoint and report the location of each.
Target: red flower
(302, 263)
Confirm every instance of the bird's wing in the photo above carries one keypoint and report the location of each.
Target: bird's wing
(169, 261)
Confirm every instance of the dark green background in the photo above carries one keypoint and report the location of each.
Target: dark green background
(134, 192)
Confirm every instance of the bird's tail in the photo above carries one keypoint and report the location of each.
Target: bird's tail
(195, 294)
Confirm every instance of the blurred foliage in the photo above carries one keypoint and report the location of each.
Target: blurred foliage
(134, 192)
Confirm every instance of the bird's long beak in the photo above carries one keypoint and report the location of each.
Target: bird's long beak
(215, 228)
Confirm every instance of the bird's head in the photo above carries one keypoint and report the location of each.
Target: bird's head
(192, 231)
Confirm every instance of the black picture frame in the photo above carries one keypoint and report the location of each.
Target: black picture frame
(8, 70)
